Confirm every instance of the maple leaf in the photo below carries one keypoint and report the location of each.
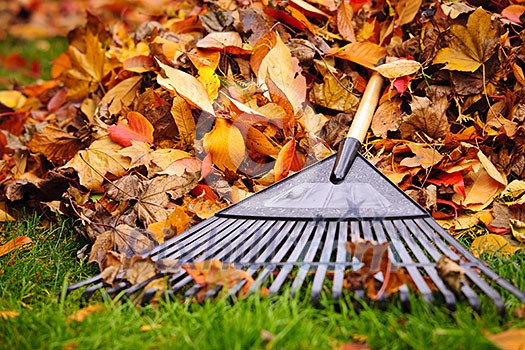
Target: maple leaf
(470, 46)
(134, 127)
(92, 164)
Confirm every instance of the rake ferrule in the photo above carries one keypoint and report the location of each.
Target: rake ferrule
(348, 150)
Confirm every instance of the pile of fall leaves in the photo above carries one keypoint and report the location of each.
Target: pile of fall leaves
(154, 122)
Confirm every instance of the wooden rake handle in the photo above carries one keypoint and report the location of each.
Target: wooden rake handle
(351, 144)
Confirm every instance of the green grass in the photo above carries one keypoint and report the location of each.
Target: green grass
(43, 51)
(32, 282)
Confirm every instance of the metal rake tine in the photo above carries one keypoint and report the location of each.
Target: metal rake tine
(88, 292)
(75, 286)
(339, 270)
(487, 289)
(325, 257)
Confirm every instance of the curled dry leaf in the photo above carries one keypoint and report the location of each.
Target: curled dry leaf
(450, 272)
(427, 116)
(399, 68)
(54, 143)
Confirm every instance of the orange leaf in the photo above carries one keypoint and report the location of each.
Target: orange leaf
(14, 244)
(288, 160)
(345, 13)
(406, 10)
(226, 145)
(514, 13)
(83, 313)
(292, 17)
(135, 127)
(364, 53)
(139, 64)
(511, 339)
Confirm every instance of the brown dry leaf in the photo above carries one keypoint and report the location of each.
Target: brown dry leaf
(139, 270)
(471, 46)
(139, 153)
(424, 156)
(345, 13)
(54, 143)
(406, 10)
(212, 273)
(491, 169)
(122, 94)
(450, 272)
(285, 72)
(7, 314)
(364, 53)
(387, 117)
(13, 244)
(225, 144)
(163, 158)
(512, 339)
(260, 142)
(288, 159)
(101, 158)
(186, 86)
(181, 112)
(427, 116)
(517, 228)
(492, 244)
(81, 314)
(399, 68)
(205, 208)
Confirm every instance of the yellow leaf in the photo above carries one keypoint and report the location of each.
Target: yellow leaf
(226, 145)
(364, 53)
(6, 314)
(163, 158)
(139, 153)
(183, 117)
(517, 228)
(83, 313)
(187, 86)
(93, 163)
(12, 99)
(4, 215)
(149, 327)
(122, 94)
(480, 193)
(285, 73)
(512, 339)
(471, 46)
(425, 156)
(492, 243)
(515, 189)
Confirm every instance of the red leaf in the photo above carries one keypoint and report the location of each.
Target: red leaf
(455, 179)
(135, 127)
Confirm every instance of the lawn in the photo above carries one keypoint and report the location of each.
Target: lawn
(33, 281)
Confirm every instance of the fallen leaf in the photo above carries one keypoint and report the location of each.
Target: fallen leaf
(122, 94)
(491, 169)
(517, 228)
(13, 244)
(345, 13)
(184, 119)
(288, 160)
(387, 117)
(406, 10)
(187, 86)
(427, 116)
(471, 46)
(135, 127)
(12, 99)
(514, 189)
(229, 42)
(514, 13)
(450, 272)
(225, 144)
(7, 314)
(150, 327)
(101, 158)
(399, 68)
(364, 53)
(54, 143)
(492, 244)
(83, 313)
(512, 339)
(424, 156)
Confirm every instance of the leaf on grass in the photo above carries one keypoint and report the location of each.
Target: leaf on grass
(492, 244)
(364, 53)
(7, 314)
(512, 339)
(225, 144)
(101, 158)
(450, 272)
(514, 189)
(517, 228)
(13, 244)
(471, 46)
(135, 127)
(187, 86)
(84, 313)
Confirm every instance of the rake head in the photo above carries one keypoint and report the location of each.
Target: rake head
(292, 235)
